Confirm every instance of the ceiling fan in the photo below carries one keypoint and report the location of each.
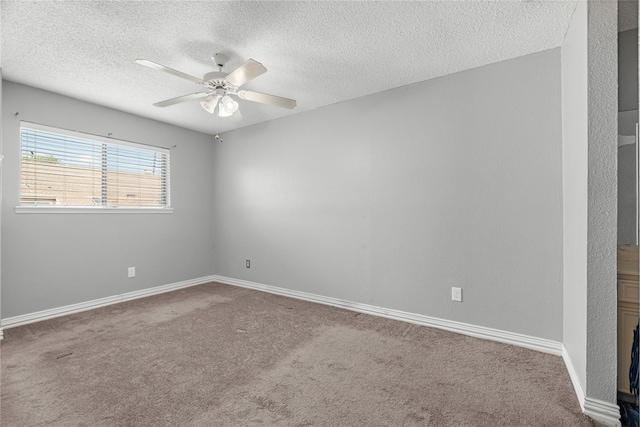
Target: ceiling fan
(219, 85)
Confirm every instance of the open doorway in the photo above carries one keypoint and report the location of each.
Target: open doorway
(628, 209)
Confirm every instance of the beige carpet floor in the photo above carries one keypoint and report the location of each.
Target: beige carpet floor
(217, 355)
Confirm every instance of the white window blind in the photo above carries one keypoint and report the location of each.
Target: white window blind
(66, 168)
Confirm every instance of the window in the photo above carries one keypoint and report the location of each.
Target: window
(69, 169)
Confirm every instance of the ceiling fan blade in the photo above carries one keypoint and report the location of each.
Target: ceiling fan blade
(182, 98)
(159, 67)
(267, 99)
(249, 70)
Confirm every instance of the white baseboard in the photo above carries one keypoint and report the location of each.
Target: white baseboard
(605, 413)
(539, 344)
(38, 316)
(574, 377)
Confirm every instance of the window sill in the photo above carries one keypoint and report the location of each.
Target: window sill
(89, 209)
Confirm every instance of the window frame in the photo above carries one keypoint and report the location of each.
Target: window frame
(26, 208)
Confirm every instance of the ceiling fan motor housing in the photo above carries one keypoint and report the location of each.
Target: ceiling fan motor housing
(216, 80)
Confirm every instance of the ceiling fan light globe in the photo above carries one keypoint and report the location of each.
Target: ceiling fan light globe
(209, 104)
(206, 106)
(228, 105)
(231, 106)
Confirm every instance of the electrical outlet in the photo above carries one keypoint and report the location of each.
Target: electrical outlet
(131, 272)
(248, 264)
(456, 294)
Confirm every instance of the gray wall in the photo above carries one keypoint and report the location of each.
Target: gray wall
(394, 198)
(52, 260)
(575, 164)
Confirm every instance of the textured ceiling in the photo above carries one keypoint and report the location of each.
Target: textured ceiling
(318, 53)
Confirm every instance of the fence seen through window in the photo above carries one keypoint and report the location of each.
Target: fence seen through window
(66, 168)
